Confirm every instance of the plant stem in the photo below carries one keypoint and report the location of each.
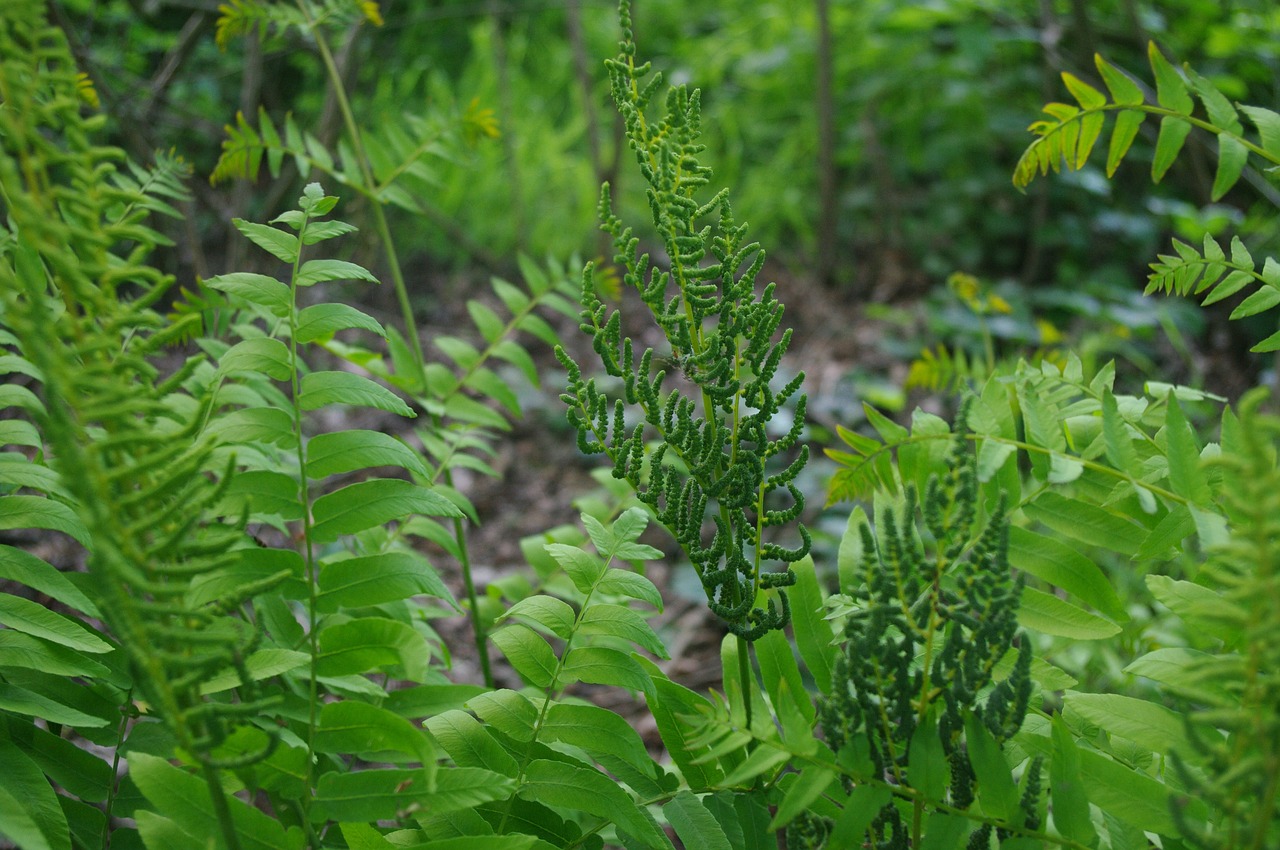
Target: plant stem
(313, 576)
(220, 807)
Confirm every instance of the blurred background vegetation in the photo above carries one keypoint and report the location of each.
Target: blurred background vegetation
(869, 142)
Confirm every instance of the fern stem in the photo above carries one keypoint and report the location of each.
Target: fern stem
(308, 553)
(744, 673)
(220, 807)
(477, 624)
(114, 788)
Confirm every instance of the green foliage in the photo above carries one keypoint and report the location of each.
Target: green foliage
(712, 426)
(1236, 688)
(237, 546)
(1069, 137)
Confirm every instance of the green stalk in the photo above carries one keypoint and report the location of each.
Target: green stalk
(313, 578)
(220, 807)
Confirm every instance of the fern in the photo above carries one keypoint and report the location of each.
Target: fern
(712, 424)
(1237, 688)
(123, 437)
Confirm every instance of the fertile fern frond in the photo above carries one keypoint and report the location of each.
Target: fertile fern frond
(712, 419)
(933, 611)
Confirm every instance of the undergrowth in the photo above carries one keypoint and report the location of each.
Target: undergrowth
(249, 656)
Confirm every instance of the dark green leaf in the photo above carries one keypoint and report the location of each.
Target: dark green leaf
(813, 633)
(583, 789)
(18, 512)
(26, 569)
(184, 799)
(29, 811)
(470, 744)
(357, 728)
(33, 618)
(598, 732)
(927, 768)
(507, 711)
(813, 781)
(359, 646)
(1066, 789)
(996, 788)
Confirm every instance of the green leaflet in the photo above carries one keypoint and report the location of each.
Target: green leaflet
(32, 618)
(184, 799)
(373, 795)
(600, 665)
(376, 579)
(1063, 567)
(270, 239)
(1147, 724)
(356, 727)
(321, 321)
(375, 502)
(583, 789)
(695, 826)
(369, 643)
(37, 512)
(1046, 613)
(320, 389)
(529, 654)
(1067, 790)
(29, 811)
(256, 289)
(813, 782)
(469, 743)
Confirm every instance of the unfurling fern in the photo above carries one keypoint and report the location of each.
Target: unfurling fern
(712, 407)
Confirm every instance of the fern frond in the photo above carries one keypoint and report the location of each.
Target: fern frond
(123, 439)
(1239, 687)
(1067, 137)
(711, 421)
